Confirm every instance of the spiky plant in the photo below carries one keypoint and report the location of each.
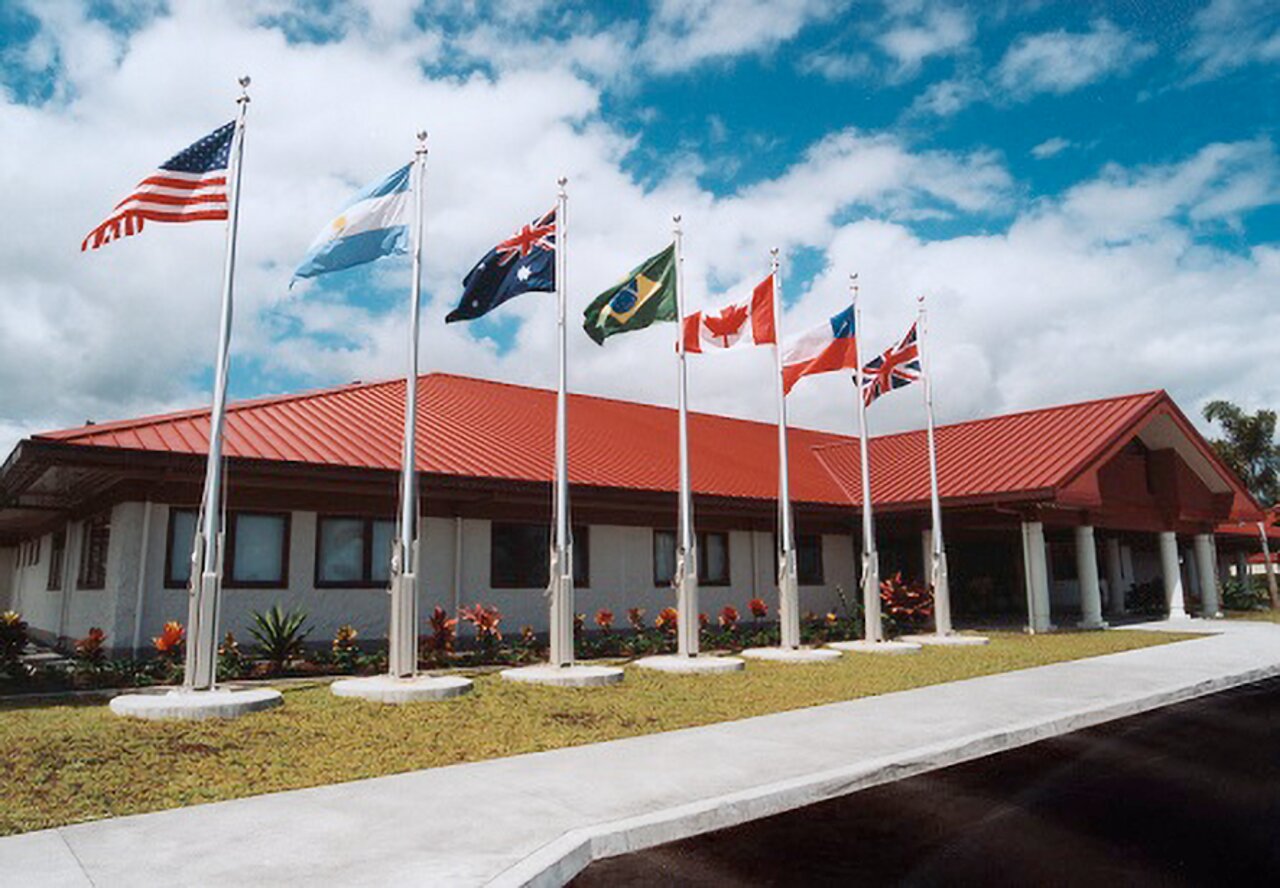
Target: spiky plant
(280, 635)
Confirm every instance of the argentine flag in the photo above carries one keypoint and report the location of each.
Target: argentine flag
(374, 224)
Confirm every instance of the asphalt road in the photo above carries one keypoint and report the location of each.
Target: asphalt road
(1188, 795)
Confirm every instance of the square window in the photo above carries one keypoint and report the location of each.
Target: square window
(181, 537)
(519, 556)
(258, 547)
(93, 552)
(353, 552)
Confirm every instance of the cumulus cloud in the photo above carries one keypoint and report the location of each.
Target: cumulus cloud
(1230, 34)
(684, 33)
(907, 33)
(1028, 313)
(1061, 61)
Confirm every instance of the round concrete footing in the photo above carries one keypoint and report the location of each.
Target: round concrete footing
(691, 665)
(791, 655)
(389, 689)
(948, 640)
(875, 647)
(575, 676)
(195, 705)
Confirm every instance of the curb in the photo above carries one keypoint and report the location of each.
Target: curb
(557, 862)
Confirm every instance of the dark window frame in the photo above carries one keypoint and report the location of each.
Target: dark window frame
(801, 579)
(366, 540)
(57, 557)
(581, 556)
(701, 543)
(95, 544)
(229, 580)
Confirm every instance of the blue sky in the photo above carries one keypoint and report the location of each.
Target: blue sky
(1058, 177)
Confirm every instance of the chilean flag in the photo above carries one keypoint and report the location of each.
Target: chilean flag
(827, 347)
(749, 322)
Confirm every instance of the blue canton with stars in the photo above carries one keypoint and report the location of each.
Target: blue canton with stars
(523, 263)
(210, 153)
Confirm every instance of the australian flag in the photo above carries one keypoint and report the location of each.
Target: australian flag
(524, 262)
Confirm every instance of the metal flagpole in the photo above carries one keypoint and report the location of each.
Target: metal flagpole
(788, 587)
(686, 555)
(1268, 565)
(870, 557)
(402, 660)
(938, 568)
(200, 671)
(561, 572)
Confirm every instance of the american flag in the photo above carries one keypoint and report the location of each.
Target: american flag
(188, 187)
(897, 367)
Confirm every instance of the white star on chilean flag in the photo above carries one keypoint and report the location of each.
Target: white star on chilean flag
(749, 322)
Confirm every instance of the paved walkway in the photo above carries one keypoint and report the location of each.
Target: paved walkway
(541, 818)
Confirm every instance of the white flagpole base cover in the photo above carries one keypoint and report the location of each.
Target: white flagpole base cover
(791, 655)
(862, 646)
(195, 705)
(575, 676)
(702, 665)
(948, 640)
(390, 689)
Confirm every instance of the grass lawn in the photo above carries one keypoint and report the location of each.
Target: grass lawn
(67, 763)
(1265, 616)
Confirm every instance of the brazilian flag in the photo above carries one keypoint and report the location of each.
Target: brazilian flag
(645, 295)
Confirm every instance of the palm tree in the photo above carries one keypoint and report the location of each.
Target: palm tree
(1248, 447)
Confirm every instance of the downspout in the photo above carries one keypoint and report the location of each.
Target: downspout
(457, 565)
(140, 595)
(68, 576)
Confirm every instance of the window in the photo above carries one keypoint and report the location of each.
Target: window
(93, 552)
(518, 556)
(257, 550)
(353, 551)
(57, 554)
(181, 536)
(713, 558)
(808, 559)
(1062, 557)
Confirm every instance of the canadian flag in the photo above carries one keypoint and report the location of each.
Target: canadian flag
(749, 322)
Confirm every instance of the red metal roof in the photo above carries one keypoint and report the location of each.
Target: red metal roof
(479, 428)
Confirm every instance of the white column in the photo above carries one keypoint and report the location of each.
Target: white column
(1037, 576)
(1208, 582)
(1172, 574)
(1115, 577)
(1087, 571)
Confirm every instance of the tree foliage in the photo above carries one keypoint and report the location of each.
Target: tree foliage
(1249, 447)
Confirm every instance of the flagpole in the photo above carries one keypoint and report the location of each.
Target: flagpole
(402, 660)
(200, 671)
(937, 550)
(870, 557)
(686, 556)
(561, 572)
(788, 587)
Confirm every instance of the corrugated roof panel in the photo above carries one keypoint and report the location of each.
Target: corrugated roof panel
(478, 428)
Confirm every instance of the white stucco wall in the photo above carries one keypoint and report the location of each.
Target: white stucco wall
(621, 565)
(8, 556)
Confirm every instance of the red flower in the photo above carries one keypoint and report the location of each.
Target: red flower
(170, 640)
(703, 620)
(635, 616)
(728, 617)
(758, 608)
(486, 619)
(604, 619)
(667, 620)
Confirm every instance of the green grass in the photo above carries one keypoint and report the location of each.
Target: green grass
(1264, 616)
(67, 763)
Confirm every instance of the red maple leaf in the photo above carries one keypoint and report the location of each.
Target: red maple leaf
(728, 323)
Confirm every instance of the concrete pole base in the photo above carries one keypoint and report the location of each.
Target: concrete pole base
(791, 655)
(862, 646)
(390, 689)
(704, 665)
(1085, 624)
(195, 705)
(574, 676)
(952, 640)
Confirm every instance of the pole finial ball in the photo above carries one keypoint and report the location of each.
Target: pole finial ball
(422, 135)
(562, 181)
(676, 218)
(245, 81)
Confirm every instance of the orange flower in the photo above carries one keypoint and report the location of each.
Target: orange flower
(604, 619)
(171, 639)
(667, 620)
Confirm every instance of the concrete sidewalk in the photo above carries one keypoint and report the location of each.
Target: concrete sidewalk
(541, 818)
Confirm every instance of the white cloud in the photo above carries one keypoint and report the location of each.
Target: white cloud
(1230, 34)
(944, 98)
(937, 30)
(685, 33)
(1060, 61)
(1023, 316)
(1050, 148)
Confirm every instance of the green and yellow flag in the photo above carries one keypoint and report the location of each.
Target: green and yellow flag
(645, 295)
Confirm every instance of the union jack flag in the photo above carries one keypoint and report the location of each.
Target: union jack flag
(897, 367)
(540, 233)
(188, 187)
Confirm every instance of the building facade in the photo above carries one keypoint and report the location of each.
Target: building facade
(1051, 516)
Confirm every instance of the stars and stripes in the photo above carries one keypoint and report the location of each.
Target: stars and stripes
(191, 186)
(897, 367)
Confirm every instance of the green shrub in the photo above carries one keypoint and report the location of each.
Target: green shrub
(13, 641)
(280, 635)
(1244, 595)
